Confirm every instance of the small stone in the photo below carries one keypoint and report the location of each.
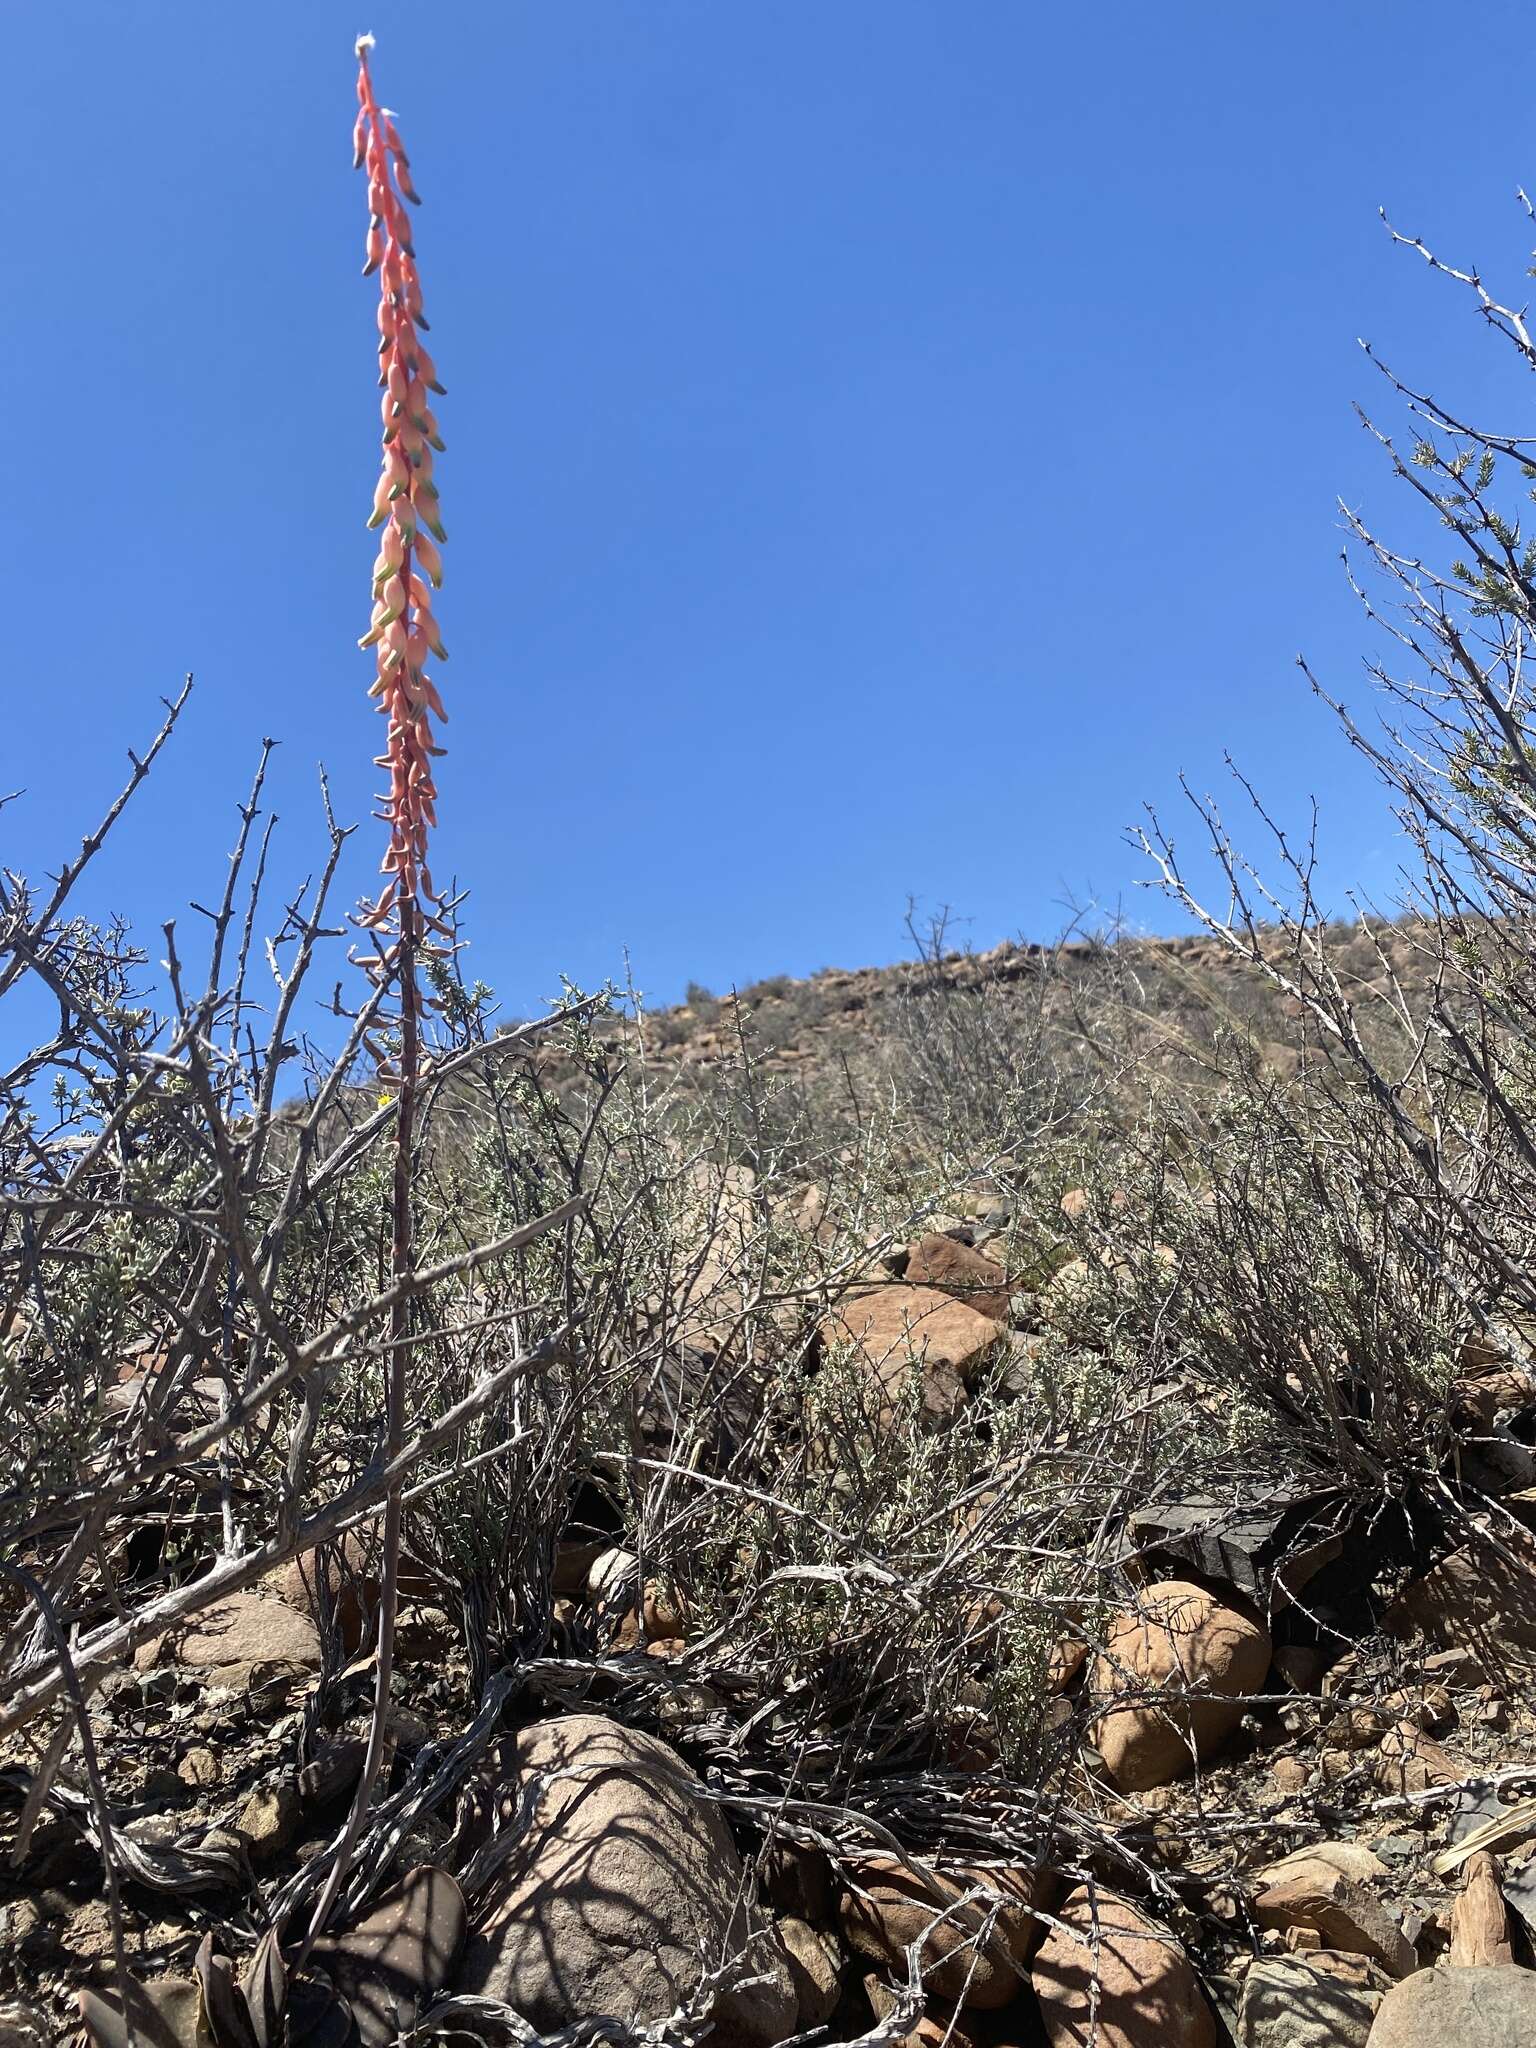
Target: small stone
(1394, 1849)
(1289, 1775)
(1408, 1760)
(1428, 1707)
(1360, 1728)
(1451, 1664)
(269, 1821)
(1418, 1923)
(199, 1768)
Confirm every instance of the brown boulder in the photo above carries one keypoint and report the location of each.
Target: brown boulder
(954, 1268)
(1320, 1891)
(1189, 1662)
(1450, 2007)
(242, 1640)
(1107, 1977)
(898, 1329)
(624, 1891)
(1304, 2002)
(894, 1907)
(1480, 1599)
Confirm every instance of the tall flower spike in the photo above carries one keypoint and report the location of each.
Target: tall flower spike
(402, 629)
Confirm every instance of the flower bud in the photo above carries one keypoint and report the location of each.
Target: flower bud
(428, 557)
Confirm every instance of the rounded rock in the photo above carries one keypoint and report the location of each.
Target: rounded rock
(1106, 1976)
(1186, 1662)
(1493, 2006)
(625, 1888)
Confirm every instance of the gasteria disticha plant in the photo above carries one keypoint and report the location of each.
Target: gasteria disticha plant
(404, 920)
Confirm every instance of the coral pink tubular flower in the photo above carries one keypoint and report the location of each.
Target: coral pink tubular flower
(402, 629)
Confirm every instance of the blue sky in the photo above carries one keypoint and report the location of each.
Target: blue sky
(887, 439)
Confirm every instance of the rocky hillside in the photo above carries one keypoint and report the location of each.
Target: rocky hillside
(1184, 992)
(1014, 1549)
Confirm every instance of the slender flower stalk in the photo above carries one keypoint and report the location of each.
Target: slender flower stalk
(404, 919)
